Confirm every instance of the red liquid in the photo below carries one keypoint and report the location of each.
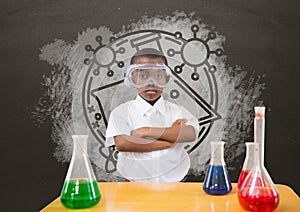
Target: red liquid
(242, 177)
(261, 200)
(259, 181)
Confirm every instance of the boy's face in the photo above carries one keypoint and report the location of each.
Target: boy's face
(150, 92)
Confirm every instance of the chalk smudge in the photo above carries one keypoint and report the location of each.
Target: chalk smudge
(238, 93)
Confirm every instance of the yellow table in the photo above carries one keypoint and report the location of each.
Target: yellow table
(173, 197)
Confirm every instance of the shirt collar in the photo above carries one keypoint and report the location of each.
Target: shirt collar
(143, 106)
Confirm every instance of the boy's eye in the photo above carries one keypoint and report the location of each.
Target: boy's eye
(158, 75)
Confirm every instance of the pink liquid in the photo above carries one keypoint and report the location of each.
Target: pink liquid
(265, 200)
(242, 177)
(259, 181)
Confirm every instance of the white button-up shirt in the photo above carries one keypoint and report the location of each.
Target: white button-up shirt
(167, 165)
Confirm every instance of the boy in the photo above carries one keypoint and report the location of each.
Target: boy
(149, 132)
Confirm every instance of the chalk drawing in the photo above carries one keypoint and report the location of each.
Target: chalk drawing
(86, 83)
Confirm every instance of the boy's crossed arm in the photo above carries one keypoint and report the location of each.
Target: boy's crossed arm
(126, 143)
(178, 132)
(162, 138)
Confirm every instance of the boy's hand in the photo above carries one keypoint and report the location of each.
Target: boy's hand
(179, 122)
(140, 132)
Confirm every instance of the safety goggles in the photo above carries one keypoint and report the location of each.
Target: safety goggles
(143, 75)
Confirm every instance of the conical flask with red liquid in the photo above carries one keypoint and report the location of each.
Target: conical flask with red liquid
(217, 181)
(248, 162)
(80, 189)
(258, 192)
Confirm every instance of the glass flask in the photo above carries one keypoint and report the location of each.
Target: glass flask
(248, 163)
(258, 192)
(216, 180)
(80, 189)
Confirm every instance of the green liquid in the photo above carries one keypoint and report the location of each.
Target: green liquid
(80, 193)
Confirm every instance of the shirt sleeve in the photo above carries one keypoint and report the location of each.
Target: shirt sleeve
(118, 124)
(191, 119)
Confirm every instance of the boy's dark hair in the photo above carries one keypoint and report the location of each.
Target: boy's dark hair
(149, 53)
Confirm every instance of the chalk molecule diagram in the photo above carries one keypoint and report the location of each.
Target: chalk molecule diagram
(189, 60)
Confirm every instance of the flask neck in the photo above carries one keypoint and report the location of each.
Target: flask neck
(80, 145)
(259, 136)
(249, 159)
(256, 156)
(217, 153)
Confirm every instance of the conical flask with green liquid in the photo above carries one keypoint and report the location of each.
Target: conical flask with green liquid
(80, 189)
